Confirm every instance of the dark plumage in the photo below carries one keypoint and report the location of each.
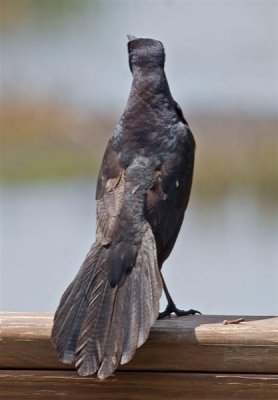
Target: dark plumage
(142, 192)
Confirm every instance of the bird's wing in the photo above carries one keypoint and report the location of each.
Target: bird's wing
(180, 114)
(167, 199)
(109, 195)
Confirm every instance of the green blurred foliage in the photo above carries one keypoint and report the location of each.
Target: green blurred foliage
(18, 14)
(236, 152)
(48, 140)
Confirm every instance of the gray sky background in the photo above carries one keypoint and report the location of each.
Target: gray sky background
(220, 55)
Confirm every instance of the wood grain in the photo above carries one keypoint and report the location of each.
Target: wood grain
(136, 386)
(193, 343)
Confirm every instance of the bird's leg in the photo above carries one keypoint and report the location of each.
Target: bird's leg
(171, 307)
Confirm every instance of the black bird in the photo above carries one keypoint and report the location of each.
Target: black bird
(142, 192)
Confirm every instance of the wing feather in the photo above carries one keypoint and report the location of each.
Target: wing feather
(109, 207)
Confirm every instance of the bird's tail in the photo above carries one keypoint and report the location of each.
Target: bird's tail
(98, 325)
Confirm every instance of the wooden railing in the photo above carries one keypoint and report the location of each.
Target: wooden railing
(194, 357)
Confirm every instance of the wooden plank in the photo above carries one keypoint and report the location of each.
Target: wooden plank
(194, 343)
(136, 386)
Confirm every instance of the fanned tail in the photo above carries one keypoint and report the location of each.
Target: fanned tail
(98, 325)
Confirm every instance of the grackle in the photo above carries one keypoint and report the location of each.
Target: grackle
(142, 192)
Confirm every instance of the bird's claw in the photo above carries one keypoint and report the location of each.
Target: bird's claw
(171, 308)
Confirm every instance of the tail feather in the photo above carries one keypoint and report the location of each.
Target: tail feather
(91, 344)
(73, 307)
(98, 326)
(150, 287)
(133, 316)
(114, 341)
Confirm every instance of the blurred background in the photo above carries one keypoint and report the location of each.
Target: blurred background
(65, 82)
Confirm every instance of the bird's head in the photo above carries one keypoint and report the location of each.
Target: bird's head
(145, 53)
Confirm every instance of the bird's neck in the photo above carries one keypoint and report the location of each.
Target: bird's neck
(148, 85)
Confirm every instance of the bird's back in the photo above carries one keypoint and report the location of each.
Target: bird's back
(153, 126)
(142, 192)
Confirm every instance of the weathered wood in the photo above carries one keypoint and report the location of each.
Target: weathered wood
(136, 386)
(193, 343)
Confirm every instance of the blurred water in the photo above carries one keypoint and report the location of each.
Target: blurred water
(220, 55)
(225, 260)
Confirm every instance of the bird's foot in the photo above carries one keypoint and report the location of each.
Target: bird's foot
(171, 308)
